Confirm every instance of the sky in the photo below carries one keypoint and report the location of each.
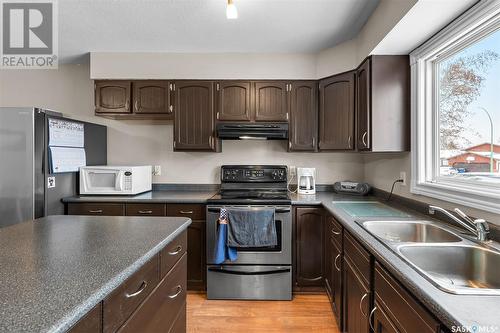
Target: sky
(490, 95)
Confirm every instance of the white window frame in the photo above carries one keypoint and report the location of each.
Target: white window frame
(473, 25)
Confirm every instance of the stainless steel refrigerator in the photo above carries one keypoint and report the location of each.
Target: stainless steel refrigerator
(25, 168)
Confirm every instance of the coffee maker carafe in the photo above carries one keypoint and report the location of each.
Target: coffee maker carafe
(306, 182)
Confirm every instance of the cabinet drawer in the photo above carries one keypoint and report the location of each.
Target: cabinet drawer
(140, 209)
(172, 252)
(105, 209)
(335, 230)
(358, 256)
(160, 310)
(90, 323)
(194, 212)
(179, 325)
(403, 310)
(118, 306)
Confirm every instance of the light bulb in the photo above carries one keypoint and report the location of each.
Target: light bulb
(231, 11)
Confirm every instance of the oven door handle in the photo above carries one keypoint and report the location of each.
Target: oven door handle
(229, 271)
(277, 210)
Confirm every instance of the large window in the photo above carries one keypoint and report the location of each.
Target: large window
(456, 111)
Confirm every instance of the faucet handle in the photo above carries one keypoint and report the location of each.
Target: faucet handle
(463, 215)
(483, 223)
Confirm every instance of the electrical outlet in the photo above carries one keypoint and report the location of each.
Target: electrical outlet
(157, 170)
(402, 175)
(292, 170)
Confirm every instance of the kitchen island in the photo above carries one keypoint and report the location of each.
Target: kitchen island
(56, 270)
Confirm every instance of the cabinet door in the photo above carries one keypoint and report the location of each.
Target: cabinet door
(363, 102)
(356, 301)
(303, 116)
(309, 253)
(336, 112)
(328, 261)
(194, 116)
(336, 281)
(196, 256)
(271, 101)
(233, 100)
(381, 322)
(151, 96)
(90, 323)
(112, 96)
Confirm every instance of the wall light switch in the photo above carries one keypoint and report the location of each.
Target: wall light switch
(157, 170)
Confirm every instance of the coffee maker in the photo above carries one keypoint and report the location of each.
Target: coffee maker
(306, 182)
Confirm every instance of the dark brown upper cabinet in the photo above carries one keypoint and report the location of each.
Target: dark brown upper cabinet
(233, 100)
(112, 96)
(309, 247)
(151, 96)
(271, 101)
(383, 104)
(336, 112)
(303, 134)
(194, 116)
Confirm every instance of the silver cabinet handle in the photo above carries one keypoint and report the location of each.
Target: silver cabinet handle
(335, 232)
(179, 290)
(370, 318)
(136, 105)
(364, 138)
(143, 286)
(170, 108)
(186, 212)
(287, 116)
(335, 262)
(145, 212)
(127, 105)
(289, 144)
(361, 304)
(217, 115)
(95, 211)
(349, 142)
(176, 251)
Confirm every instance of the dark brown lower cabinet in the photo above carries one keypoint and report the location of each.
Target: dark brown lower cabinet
(196, 256)
(158, 313)
(336, 284)
(309, 247)
(148, 301)
(356, 301)
(397, 308)
(381, 322)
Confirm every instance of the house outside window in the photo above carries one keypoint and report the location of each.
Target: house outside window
(456, 111)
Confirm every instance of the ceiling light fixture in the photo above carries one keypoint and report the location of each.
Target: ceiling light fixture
(231, 11)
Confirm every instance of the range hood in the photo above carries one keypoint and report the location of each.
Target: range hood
(252, 131)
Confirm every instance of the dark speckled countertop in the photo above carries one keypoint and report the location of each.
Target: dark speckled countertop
(452, 310)
(55, 269)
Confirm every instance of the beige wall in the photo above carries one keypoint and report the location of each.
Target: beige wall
(145, 65)
(381, 170)
(70, 91)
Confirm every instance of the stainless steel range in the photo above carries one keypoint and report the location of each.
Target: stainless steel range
(262, 273)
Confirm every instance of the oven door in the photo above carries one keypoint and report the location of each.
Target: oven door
(281, 254)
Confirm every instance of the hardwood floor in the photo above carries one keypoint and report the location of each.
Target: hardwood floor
(306, 313)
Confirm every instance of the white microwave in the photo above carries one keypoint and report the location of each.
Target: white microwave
(124, 180)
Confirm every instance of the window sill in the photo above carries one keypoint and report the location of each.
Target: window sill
(462, 195)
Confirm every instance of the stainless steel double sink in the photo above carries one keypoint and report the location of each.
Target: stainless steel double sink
(450, 261)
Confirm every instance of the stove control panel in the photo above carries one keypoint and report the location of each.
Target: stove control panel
(251, 174)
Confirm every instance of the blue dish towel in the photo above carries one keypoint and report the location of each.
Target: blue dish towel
(222, 251)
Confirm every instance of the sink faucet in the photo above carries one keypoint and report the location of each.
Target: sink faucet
(478, 227)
